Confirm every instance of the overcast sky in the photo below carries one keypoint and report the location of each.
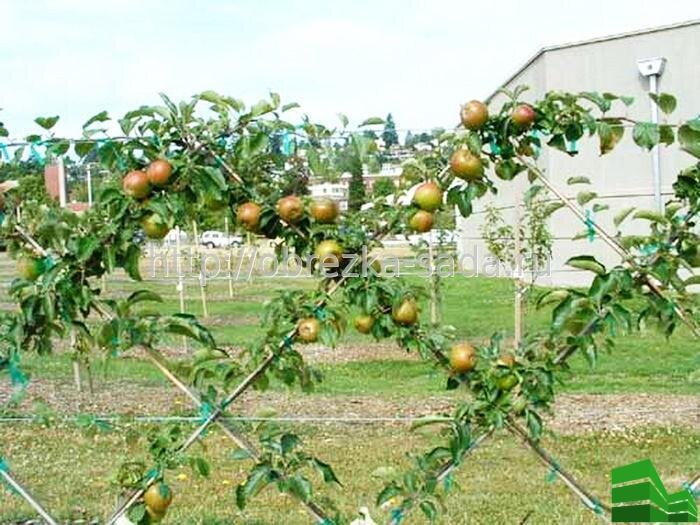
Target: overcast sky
(418, 60)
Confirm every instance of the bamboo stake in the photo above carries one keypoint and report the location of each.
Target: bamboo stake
(240, 439)
(601, 510)
(230, 255)
(27, 496)
(518, 280)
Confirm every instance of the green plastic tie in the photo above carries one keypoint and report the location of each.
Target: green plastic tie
(287, 342)
(35, 153)
(397, 516)
(5, 154)
(206, 409)
(571, 147)
(320, 313)
(448, 482)
(48, 262)
(590, 226)
(494, 147)
(17, 377)
(693, 492)
(551, 476)
(595, 506)
(4, 467)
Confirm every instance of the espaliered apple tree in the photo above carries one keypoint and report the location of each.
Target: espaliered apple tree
(227, 158)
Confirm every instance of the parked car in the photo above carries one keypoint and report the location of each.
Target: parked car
(216, 239)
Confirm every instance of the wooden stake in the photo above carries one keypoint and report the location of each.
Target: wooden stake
(518, 279)
(230, 256)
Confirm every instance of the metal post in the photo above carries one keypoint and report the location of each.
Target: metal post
(656, 152)
(61, 183)
(653, 68)
(89, 184)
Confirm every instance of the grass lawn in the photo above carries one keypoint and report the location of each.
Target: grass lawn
(501, 483)
(642, 362)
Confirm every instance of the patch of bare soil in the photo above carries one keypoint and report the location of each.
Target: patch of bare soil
(573, 413)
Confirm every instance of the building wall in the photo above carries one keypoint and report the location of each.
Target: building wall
(621, 178)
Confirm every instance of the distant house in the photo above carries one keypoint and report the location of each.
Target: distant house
(625, 177)
(338, 191)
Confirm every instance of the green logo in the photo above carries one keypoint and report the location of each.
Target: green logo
(639, 495)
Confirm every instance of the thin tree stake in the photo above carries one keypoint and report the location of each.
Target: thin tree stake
(27, 496)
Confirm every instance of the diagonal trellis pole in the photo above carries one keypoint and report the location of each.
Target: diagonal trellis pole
(240, 439)
(612, 242)
(237, 437)
(215, 415)
(22, 491)
(593, 503)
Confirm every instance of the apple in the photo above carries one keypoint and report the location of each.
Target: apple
(324, 210)
(474, 115)
(428, 196)
(136, 185)
(159, 172)
(523, 116)
(466, 165)
(421, 221)
(290, 209)
(248, 214)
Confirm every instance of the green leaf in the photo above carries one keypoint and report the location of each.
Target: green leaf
(343, 119)
(578, 180)
(83, 148)
(288, 442)
(240, 454)
(59, 147)
(372, 121)
(693, 280)
(666, 135)
(650, 215)
(291, 105)
(552, 207)
(388, 492)
(429, 509)
(100, 117)
(586, 262)
(610, 133)
(554, 296)
(202, 467)
(326, 471)
(689, 137)
(600, 207)
(622, 215)
(131, 263)
(300, 487)
(665, 101)
(140, 296)
(585, 197)
(47, 122)
(646, 134)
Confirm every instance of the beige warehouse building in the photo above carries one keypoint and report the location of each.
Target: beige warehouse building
(626, 176)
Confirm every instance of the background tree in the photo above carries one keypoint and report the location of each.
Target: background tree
(357, 194)
(383, 187)
(389, 136)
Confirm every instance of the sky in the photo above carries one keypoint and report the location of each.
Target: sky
(418, 60)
